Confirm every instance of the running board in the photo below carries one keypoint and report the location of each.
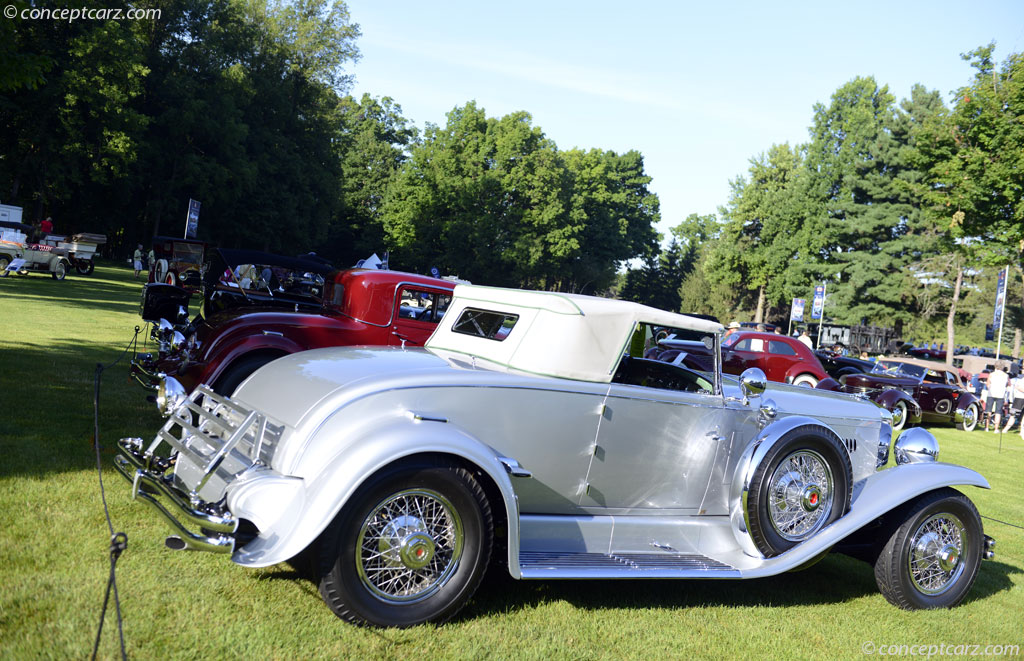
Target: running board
(544, 564)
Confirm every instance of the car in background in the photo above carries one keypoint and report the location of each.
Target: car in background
(244, 327)
(936, 387)
(837, 365)
(179, 262)
(782, 358)
(531, 433)
(23, 250)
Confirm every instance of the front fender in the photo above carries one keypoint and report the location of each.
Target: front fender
(323, 495)
(745, 468)
(224, 355)
(878, 494)
(888, 399)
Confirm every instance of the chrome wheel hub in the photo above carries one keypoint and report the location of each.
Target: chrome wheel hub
(409, 546)
(935, 552)
(970, 415)
(897, 417)
(800, 495)
(406, 543)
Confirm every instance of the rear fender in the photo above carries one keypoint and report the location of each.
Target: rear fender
(225, 355)
(965, 400)
(324, 494)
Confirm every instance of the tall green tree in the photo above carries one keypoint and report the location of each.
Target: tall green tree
(763, 225)
(871, 226)
(495, 201)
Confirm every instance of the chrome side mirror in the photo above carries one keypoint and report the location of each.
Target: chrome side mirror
(753, 383)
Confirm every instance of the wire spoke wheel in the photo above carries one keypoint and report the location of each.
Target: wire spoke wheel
(800, 495)
(931, 559)
(935, 552)
(409, 545)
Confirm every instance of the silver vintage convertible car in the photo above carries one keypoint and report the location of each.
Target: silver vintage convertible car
(530, 428)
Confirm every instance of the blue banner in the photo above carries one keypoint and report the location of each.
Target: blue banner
(796, 312)
(192, 220)
(819, 302)
(997, 317)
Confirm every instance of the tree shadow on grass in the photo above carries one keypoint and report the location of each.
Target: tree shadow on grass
(47, 424)
(95, 295)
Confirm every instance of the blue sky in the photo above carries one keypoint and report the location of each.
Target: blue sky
(697, 88)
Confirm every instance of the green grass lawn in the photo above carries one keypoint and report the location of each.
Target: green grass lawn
(54, 541)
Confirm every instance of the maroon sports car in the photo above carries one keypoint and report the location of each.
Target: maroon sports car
(242, 329)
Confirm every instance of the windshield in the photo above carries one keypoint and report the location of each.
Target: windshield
(904, 369)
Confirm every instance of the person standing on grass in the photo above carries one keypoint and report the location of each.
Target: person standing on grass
(997, 382)
(137, 259)
(1015, 393)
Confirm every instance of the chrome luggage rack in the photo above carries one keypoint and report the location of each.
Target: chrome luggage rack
(208, 434)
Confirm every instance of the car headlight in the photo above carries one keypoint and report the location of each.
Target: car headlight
(169, 395)
(177, 341)
(182, 315)
(915, 446)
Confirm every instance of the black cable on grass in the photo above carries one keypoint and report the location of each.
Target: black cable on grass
(118, 540)
(1012, 525)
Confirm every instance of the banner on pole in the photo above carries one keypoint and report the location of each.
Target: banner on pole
(796, 313)
(192, 220)
(819, 302)
(997, 316)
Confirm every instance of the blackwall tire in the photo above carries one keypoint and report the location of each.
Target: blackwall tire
(409, 547)
(932, 559)
(85, 267)
(802, 485)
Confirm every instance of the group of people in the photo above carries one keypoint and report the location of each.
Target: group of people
(1001, 391)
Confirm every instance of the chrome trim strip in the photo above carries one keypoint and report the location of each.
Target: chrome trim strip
(513, 468)
(425, 417)
(273, 333)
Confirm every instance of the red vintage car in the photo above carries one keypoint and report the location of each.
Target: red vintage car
(248, 328)
(783, 359)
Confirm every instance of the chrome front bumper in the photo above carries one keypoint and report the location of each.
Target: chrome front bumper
(195, 522)
(142, 371)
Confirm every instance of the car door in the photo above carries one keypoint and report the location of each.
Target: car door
(935, 395)
(779, 357)
(747, 352)
(661, 449)
(418, 309)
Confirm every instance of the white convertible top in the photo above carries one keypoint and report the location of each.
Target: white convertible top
(564, 335)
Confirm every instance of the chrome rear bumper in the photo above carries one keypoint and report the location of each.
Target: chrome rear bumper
(194, 522)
